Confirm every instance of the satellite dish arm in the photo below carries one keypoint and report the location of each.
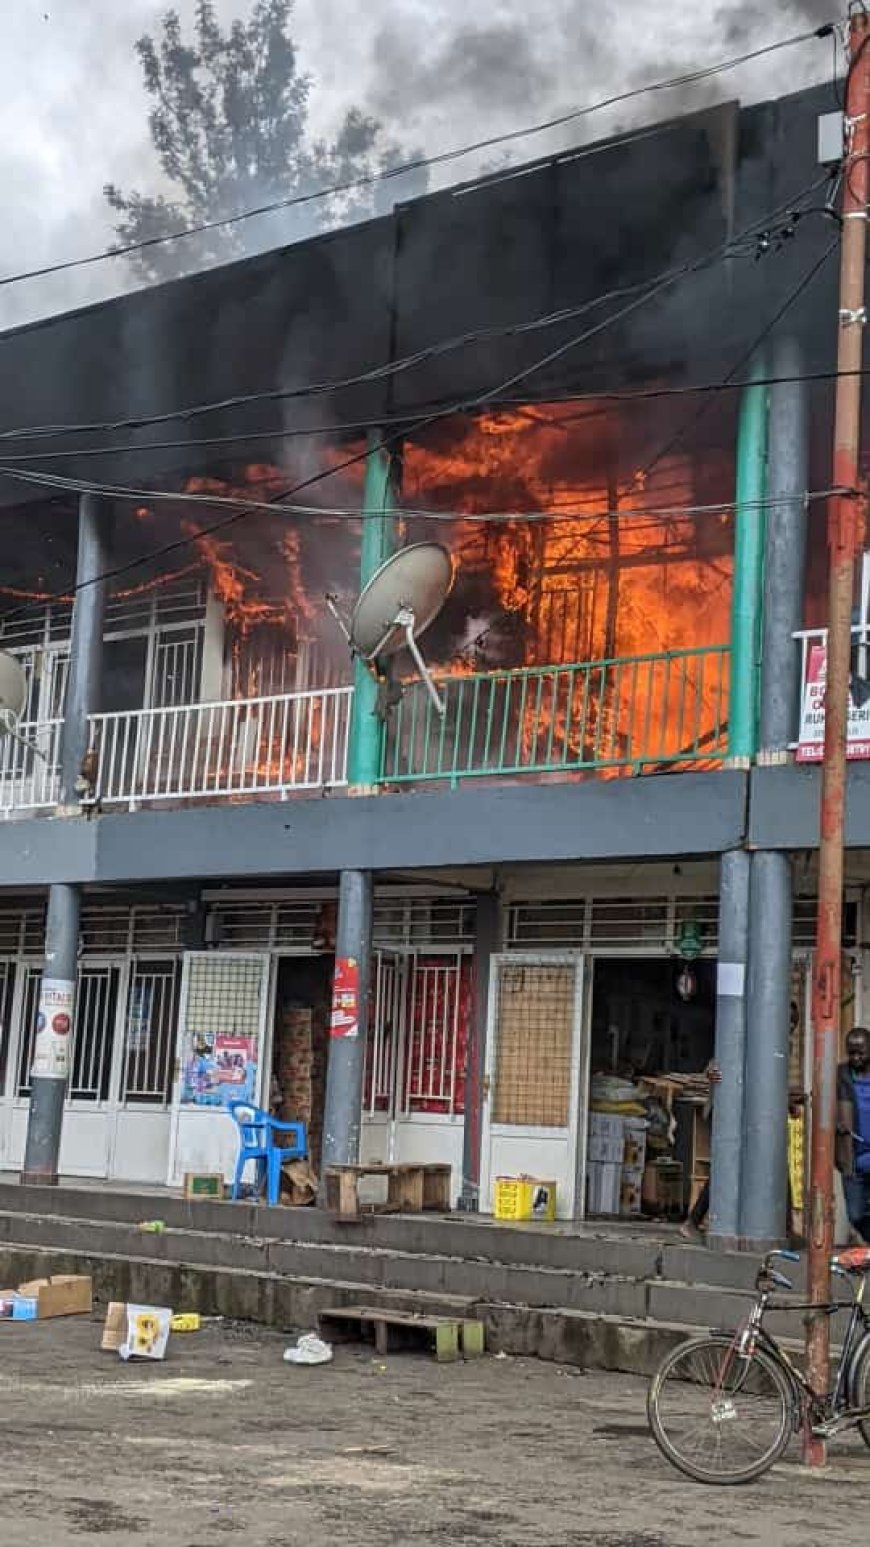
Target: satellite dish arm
(406, 620)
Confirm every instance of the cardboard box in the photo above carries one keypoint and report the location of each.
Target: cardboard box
(66, 1294)
(136, 1331)
(203, 1184)
(635, 1142)
(603, 1182)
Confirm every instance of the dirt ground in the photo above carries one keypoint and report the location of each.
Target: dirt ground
(224, 1441)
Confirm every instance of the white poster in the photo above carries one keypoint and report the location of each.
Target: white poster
(54, 1021)
(811, 741)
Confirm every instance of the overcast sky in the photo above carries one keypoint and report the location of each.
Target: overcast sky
(436, 72)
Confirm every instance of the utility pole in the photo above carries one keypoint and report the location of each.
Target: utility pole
(843, 544)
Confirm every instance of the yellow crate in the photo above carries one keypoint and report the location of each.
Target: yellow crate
(524, 1197)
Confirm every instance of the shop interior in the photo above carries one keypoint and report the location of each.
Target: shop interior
(300, 1046)
(652, 1038)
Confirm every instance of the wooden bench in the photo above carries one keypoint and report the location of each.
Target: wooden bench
(451, 1338)
(410, 1189)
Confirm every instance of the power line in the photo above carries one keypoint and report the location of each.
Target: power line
(387, 442)
(359, 426)
(393, 368)
(246, 506)
(421, 163)
(746, 355)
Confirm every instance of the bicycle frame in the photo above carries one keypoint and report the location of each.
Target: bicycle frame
(831, 1412)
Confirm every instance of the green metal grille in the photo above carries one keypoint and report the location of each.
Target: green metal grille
(630, 714)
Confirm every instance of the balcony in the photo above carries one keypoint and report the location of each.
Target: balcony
(630, 715)
(626, 716)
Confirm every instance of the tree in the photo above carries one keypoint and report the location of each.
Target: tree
(228, 121)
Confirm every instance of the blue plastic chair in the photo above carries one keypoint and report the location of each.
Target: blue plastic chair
(257, 1131)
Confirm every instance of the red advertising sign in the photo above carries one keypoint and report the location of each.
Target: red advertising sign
(345, 998)
(811, 741)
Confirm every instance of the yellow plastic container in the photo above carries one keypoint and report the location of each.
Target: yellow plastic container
(187, 1321)
(525, 1197)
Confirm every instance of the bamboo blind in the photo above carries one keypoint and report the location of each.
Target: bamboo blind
(534, 1037)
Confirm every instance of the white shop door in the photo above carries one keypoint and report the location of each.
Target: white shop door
(219, 1056)
(384, 1056)
(532, 1114)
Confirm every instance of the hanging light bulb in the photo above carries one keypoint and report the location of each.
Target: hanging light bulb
(687, 984)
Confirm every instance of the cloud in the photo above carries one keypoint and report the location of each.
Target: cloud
(73, 113)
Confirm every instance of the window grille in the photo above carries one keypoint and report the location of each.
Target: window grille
(7, 993)
(93, 1033)
(149, 1033)
(224, 995)
(417, 1046)
(27, 1028)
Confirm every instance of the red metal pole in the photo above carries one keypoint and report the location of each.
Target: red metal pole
(843, 540)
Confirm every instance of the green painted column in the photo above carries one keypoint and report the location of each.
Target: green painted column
(746, 603)
(378, 542)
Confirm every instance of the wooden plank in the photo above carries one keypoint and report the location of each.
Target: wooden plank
(405, 1189)
(452, 1337)
(436, 1188)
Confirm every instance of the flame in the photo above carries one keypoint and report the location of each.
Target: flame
(619, 580)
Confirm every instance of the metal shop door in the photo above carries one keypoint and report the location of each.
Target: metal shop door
(221, 1038)
(535, 1042)
(89, 1117)
(416, 1053)
(384, 1059)
(142, 1079)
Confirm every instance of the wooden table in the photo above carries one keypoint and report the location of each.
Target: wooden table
(410, 1189)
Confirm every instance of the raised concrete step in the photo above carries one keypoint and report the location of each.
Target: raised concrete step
(634, 1280)
(592, 1341)
(594, 1249)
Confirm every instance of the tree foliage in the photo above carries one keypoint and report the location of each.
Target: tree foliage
(229, 123)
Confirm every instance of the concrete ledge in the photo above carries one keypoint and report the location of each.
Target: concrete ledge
(587, 1250)
(564, 1336)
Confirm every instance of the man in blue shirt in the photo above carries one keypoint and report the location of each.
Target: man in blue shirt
(853, 1129)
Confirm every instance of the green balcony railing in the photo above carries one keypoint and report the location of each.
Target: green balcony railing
(626, 715)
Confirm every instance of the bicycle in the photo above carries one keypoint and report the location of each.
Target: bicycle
(723, 1407)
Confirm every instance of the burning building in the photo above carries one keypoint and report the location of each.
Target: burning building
(561, 373)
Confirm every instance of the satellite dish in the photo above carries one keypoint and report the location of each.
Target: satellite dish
(13, 697)
(13, 691)
(397, 606)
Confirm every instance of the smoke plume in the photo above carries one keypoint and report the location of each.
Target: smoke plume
(73, 114)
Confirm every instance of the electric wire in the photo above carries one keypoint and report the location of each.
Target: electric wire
(389, 369)
(45, 479)
(420, 163)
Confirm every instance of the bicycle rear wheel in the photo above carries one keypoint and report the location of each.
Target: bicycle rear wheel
(718, 1416)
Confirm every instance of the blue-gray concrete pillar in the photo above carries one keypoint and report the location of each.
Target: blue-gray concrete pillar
(56, 1012)
(785, 553)
(764, 1166)
(349, 1025)
(727, 1137)
(486, 943)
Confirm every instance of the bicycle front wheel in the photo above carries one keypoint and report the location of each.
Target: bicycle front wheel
(859, 1395)
(717, 1415)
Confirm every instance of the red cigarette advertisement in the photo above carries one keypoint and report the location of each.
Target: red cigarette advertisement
(345, 998)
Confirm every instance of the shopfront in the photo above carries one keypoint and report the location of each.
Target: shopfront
(601, 1024)
(166, 1035)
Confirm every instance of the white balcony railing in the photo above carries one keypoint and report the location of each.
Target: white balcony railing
(248, 748)
(30, 767)
(245, 749)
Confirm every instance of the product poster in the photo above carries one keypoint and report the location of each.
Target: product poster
(811, 740)
(219, 1067)
(345, 998)
(54, 1023)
